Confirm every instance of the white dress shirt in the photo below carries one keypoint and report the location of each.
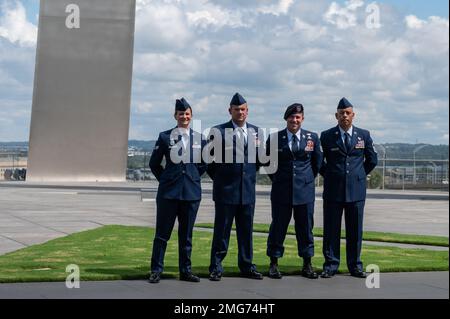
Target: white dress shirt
(185, 136)
(241, 130)
(350, 133)
(291, 135)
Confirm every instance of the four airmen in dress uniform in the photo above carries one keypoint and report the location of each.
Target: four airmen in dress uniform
(348, 157)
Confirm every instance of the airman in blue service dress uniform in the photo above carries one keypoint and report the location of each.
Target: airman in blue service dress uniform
(179, 191)
(234, 195)
(349, 156)
(293, 190)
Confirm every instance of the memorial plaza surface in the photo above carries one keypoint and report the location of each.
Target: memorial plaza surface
(36, 213)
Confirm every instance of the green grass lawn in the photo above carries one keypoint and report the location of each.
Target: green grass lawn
(120, 252)
(368, 235)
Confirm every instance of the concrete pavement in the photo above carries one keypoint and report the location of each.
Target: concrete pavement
(35, 213)
(433, 285)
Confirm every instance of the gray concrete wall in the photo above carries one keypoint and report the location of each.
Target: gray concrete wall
(82, 88)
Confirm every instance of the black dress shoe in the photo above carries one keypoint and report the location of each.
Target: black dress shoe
(358, 274)
(327, 274)
(215, 276)
(252, 274)
(274, 273)
(308, 272)
(155, 277)
(188, 276)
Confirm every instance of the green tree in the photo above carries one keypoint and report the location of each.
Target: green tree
(263, 179)
(375, 180)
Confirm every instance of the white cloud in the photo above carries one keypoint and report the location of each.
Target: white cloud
(7, 81)
(215, 17)
(14, 25)
(161, 26)
(433, 33)
(310, 31)
(168, 66)
(143, 108)
(413, 22)
(392, 64)
(203, 104)
(354, 4)
(281, 8)
(202, 48)
(14, 114)
(247, 64)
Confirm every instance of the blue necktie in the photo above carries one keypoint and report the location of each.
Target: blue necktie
(347, 142)
(242, 136)
(182, 148)
(295, 146)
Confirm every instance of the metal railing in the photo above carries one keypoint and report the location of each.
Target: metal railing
(391, 173)
(13, 165)
(412, 174)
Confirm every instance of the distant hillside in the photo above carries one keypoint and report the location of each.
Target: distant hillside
(142, 145)
(405, 151)
(13, 144)
(146, 146)
(14, 147)
(393, 150)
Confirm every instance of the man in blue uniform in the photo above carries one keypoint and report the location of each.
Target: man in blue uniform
(179, 191)
(298, 164)
(234, 189)
(349, 156)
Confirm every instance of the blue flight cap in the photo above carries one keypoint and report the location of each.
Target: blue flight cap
(182, 105)
(237, 100)
(293, 109)
(344, 104)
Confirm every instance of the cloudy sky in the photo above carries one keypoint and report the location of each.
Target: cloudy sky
(274, 52)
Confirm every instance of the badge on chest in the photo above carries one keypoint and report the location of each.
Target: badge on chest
(360, 144)
(309, 146)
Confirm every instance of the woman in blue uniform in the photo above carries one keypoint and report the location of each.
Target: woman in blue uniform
(179, 191)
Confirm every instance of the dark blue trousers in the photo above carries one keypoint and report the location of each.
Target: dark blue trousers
(244, 232)
(332, 218)
(167, 211)
(304, 223)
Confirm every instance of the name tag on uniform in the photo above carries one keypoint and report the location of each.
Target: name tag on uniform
(360, 144)
(335, 149)
(309, 146)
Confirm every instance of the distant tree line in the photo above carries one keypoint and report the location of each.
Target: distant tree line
(405, 151)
